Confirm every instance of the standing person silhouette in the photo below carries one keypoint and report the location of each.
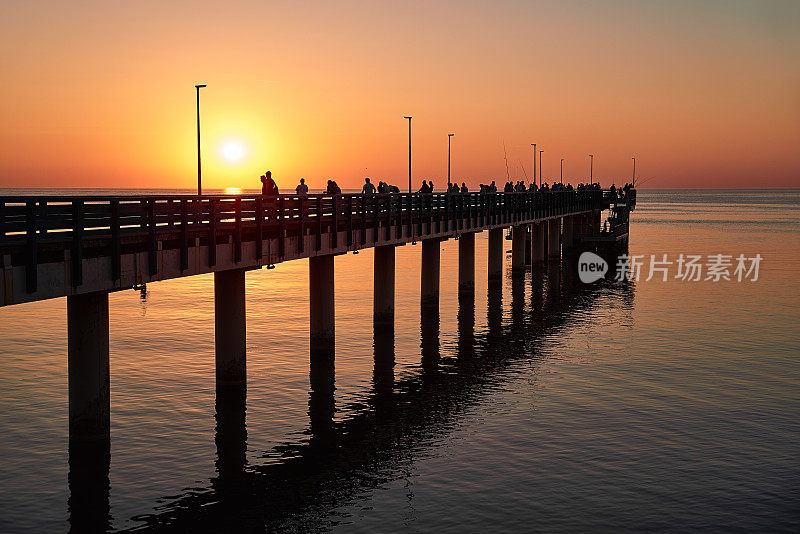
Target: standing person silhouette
(268, 185)
(369, 187)
(302, 188)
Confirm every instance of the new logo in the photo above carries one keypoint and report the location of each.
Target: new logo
(591, 267)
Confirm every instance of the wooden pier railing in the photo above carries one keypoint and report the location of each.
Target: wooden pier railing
(39, 229)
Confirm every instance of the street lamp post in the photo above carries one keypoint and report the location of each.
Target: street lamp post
(409, 153)
(591, 167)
(534, 163)
(449, 136)
(541, 172)
(562, 171)
(633, 183)
(199, 181)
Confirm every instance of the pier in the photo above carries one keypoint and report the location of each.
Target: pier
(82, 248)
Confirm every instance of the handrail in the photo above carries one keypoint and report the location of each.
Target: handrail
(59, 216)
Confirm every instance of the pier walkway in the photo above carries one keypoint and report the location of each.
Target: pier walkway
(85, 247)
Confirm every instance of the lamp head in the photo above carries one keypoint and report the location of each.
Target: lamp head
(199, 86)
(409, 118)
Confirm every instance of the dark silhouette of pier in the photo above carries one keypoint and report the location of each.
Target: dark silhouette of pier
(85, 247)
(376, 444)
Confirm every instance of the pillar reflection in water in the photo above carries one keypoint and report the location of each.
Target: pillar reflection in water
(553, 286)
(231, 430)
(429, 343)
(517, 300)
(466, 325)
(537, 288)
(494, 311)
(321, 401)
(383, 365)
(88, 504)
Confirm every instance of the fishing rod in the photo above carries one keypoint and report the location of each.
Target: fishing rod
(523, 170)
(505, 155)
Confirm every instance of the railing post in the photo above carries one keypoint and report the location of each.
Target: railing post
(184, 234)
(363, 225)
(318, 241)
(388, 216)
(420, 229)
(76, 252)
(410, 209)
(301, 245)
(116, 246)
(334, 228)
(212, 232)
(281, 227)
(376, 207)
(152, 249)
(399, 225)
(259, 209)
(31, 250)
(350, 221)
(447, 212)
(237, 232)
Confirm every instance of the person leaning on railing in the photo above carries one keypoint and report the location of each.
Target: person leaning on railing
(369, 187)
(333, 188)
(268, 185)
(302, 188)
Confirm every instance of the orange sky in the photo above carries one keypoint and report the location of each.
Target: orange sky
(100, 94)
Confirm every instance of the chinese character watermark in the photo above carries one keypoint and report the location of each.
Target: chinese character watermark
(688, 267)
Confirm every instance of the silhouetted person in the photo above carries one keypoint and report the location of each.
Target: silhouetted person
(464, 188)
(369, 187)
(302, 188)
(268, 185)
(493, 187)
(424, 188)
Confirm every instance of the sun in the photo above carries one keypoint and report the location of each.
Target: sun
(232, 151)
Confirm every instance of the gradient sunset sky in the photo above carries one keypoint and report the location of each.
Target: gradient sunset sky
(101, 94)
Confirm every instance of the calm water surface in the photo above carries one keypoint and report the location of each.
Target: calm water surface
(554, 406)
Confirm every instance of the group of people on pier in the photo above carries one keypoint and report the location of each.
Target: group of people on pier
(270, 188)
